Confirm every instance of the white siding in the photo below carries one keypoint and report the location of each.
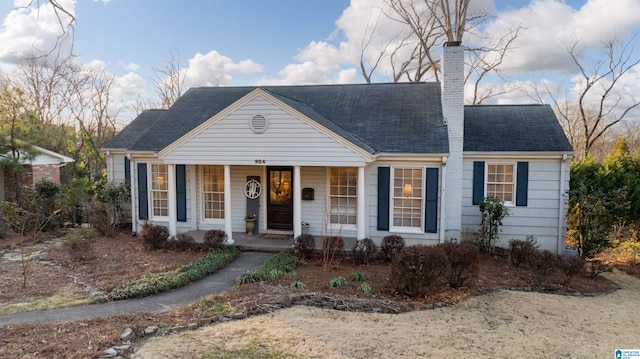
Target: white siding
(288, 141)
(371, 204)
(539, 218)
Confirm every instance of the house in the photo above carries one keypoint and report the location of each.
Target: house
(362, 160)
(44, 166)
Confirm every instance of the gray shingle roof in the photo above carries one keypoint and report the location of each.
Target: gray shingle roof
(495, 128)
(380, 118)
(376, 117)
(129, 136)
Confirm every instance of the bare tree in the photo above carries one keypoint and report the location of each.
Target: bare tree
(64, 15)
(485, 60)
(90, 111)
(600, 101)
(169, 80)
(430, 23)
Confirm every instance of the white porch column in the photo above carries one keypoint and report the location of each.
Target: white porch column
(297, 203)
(133, 187)
(361, 206)
(193, 193)
(227, 204)
(171, 183)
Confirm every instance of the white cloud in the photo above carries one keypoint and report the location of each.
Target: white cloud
(551, 26)
(214, 69)
(130, 66)
(29, 29)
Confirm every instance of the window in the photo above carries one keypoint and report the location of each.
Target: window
(500, 182)
(407, 197)
(213, 192)
(159, 191)
(343, 195)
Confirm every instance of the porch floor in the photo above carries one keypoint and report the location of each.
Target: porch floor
(258, 243)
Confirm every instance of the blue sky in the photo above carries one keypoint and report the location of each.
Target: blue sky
(268, 32)
(258, 42)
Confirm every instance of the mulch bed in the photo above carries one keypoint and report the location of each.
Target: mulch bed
(123, 258)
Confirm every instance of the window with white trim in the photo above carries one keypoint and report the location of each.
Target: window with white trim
(159, 190)
(343, 195)
(407, 196)
(500, 182)
(212, 187)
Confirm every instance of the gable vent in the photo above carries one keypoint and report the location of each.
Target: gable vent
(258, 123)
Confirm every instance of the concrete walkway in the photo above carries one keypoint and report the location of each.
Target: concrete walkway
(221, 281)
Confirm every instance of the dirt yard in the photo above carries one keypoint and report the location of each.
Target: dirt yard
(501, 324)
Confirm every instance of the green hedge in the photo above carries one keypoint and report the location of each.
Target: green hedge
(273, 268)
(162, 282)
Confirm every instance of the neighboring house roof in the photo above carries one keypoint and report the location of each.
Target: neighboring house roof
(376, 117)
(511, 128)
(44, 157)
(380, 118)
(49, 157)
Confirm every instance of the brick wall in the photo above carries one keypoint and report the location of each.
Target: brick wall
(26, 181)
(46, 172)
(24, 184)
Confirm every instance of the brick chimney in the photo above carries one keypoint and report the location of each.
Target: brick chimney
(453, 112)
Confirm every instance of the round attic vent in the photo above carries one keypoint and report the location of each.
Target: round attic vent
(258, 123)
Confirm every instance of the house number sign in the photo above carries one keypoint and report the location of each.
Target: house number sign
(252, 189)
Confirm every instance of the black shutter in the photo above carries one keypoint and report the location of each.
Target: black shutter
(522, 185)
(478, 181)
(181, 193)
(127, 170)
(383, 198)
(143, 195)
(431, 205)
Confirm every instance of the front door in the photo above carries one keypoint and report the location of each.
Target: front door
(280, 201)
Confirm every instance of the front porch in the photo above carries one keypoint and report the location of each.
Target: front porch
(258, 243)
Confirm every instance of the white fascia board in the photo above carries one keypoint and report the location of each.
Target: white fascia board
(411, 157)
(517, 155)
(62, 158)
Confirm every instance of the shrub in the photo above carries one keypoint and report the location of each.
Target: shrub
(596, 267)
(492, 212)
(520, 252)
(391, 245)
(273, 268)
(332, 247)
(366, 289)
(572, 265)
(627, 251)
(105, 208)
(464, 260)
(183, 242)
(298, 285)
(357, 277)
(363, 250)
(303, 246)
(155, 237)
(337, 282)
(544, 262)
(215, 238)
(419, 270)
(161, 282)
(47, 196)
(79, 245)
